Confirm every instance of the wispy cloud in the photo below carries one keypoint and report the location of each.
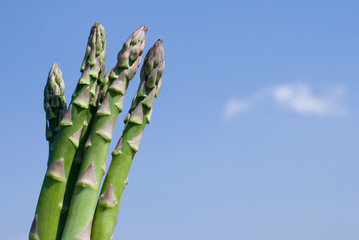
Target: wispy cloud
(234, 107)
(297, 97)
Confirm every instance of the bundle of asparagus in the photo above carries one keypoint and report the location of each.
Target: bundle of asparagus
(79, 138)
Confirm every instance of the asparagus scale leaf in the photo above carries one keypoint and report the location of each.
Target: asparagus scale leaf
(52, 192)
(83, 203)
(108, 206)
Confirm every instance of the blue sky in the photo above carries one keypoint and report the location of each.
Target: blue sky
(254, 135)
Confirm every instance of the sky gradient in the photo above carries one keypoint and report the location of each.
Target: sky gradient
(255, 132)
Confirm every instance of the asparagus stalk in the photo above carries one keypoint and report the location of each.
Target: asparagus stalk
(83, 203)
(76, 164)
(139, 115)
(54, 103)
(49, 205)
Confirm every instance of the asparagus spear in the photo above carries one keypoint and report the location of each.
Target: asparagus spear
(49, 205)
(108, 205)
(92, 169)
(76, 164)
(54, 103)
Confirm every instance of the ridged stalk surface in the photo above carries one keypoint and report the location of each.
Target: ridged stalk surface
(139, 115)
(44, 226)
(83, 203)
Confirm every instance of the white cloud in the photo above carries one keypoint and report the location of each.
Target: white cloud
(234, 107)
(300, 99)
(297, 97)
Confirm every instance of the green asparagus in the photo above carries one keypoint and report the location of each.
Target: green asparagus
(54, 103)
(139, 115)
(79, 137)
(92, 169)
(76, 164)
(49, 205)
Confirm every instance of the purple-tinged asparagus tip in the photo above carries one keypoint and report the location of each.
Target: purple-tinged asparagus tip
(153, 65)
